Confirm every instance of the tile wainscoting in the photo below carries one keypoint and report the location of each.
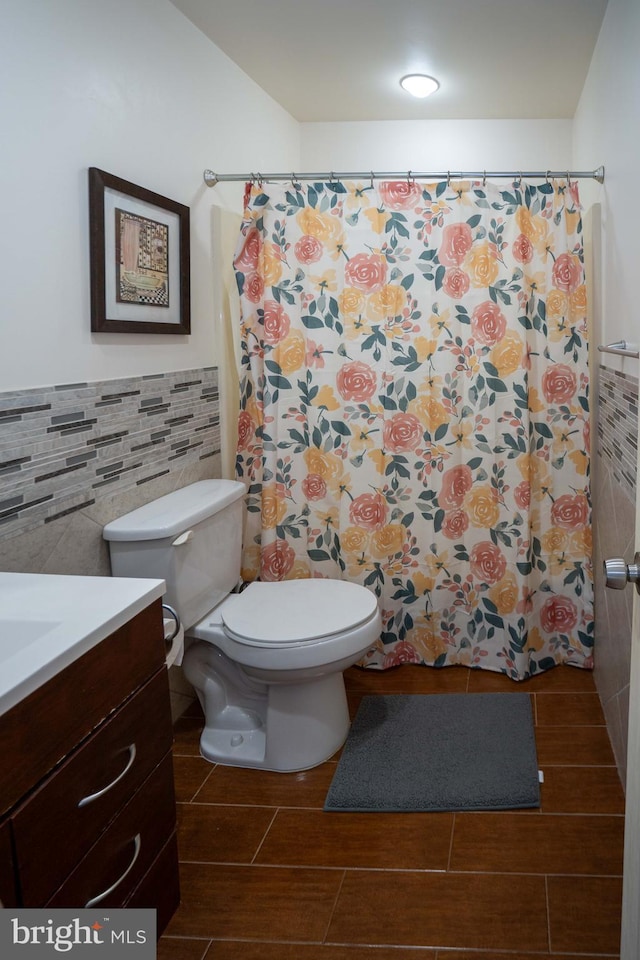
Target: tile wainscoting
(74, 457)
(614, 493)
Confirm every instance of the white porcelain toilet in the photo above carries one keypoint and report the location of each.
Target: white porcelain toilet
(267, 662)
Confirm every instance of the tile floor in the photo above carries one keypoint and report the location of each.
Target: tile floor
(266, 875)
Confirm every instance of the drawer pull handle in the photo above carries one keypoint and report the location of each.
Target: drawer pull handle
(101, 793)
(102, 896)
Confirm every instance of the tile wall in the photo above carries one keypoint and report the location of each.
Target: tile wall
(75, 456)
(614, 493)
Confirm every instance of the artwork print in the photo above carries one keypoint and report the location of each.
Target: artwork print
(142, 260)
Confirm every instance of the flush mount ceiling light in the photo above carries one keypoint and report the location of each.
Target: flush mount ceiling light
(419, 84)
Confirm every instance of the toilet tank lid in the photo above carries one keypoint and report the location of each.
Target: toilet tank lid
(175, 512)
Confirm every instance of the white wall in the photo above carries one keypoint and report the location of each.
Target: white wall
(132, 87)
(607, 128)
(437, 145)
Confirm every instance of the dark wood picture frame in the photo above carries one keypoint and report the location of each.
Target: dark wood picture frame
(170, 311)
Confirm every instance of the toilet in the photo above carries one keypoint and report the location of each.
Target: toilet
(266, 662)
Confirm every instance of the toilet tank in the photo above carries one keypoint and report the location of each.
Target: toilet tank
(191, 538)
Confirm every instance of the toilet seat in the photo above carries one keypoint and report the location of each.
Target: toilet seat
(294, 613)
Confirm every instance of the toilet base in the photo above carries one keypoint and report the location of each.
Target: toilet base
(301, 726)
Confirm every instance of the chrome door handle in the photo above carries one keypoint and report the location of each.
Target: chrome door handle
(618, 573)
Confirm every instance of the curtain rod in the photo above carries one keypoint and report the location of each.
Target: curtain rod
(211, 178)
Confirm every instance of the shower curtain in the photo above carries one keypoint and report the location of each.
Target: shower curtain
(414, 411)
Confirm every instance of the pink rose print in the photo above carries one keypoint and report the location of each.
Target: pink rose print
(487, 562)
(570, 512)
(559, 383)
(400, 194)
(253, 287)
(558, 615)
(247, 259)
(455, 524)
(402, 432)
(356, 381)
(276, 561)
(488, 323)
(246, 430)
(567, 272)
(276, 322)
(366, 272)
(456, 482)
(402, 652)
(522, 495)
(456, 283)
(456, 242)
(308, 249)
(314, 487)
(369, 510)
(522, 249)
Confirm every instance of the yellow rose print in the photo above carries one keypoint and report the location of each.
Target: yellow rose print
(274, 509)
(290, 353)
(482, 266)
(505, 594)
(507, 355)
(387, 541)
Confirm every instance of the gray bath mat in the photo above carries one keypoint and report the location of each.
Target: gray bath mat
(438, 752)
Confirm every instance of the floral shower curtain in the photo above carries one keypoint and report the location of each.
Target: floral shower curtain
(414, 411)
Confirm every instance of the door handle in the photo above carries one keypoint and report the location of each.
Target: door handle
(618, 573)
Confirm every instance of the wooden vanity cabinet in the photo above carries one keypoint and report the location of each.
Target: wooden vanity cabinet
(96, 823)
(8, 893)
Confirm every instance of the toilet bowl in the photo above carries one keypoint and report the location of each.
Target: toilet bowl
(267, 662)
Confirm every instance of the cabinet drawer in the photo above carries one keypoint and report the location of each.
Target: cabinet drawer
(69, 811)
(44, 727)
(116, 864)
(159, 889)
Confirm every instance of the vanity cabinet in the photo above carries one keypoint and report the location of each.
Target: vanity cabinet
(86, 789)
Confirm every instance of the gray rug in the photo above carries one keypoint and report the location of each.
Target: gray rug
(438, 752)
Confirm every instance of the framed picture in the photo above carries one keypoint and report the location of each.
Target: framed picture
(139, 245)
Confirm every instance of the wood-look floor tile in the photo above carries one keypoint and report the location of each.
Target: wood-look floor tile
(409, 678)
(531, 843)
(584, 914)
(441, 910)
(418, 841)
(582, 709)
(312, 951)
(225, 834)
(582, 790)
(175, 948)
(189, 773)
(560, 679)
(186, 736)
(308, 788)
(574, 746)
(236, 902)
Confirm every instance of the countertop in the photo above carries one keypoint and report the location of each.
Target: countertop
(48, 621)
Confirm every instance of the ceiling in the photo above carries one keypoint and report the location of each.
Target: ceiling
(333, 60)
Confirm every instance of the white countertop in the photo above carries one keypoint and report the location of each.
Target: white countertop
(48, 621)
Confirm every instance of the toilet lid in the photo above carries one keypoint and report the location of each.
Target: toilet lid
(297, 611)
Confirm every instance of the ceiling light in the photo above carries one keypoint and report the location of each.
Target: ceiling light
(419, 85)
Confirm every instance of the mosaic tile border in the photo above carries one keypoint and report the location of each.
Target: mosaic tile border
(618, 426)
(63, 447)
